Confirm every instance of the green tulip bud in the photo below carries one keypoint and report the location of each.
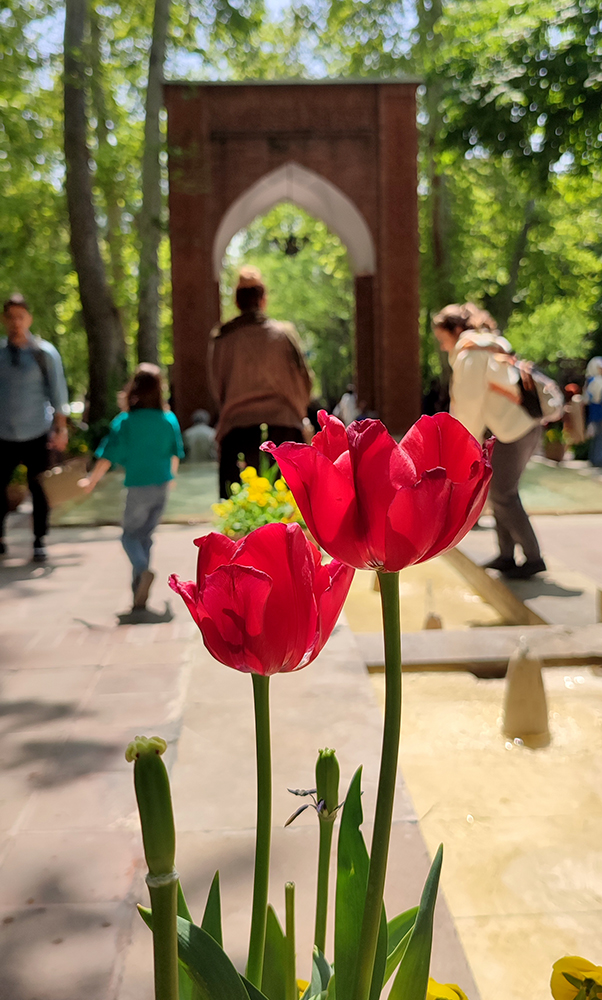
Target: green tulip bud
(327, 784)
(154, 803)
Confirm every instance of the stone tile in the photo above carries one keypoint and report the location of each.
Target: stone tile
(138, 653)
(104, 801)
(60, 952)
(52, 685)
(142, 711)
(70, 866)
(149, 678)
(512, 956)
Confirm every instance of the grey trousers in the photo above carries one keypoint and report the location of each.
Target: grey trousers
(511, 521)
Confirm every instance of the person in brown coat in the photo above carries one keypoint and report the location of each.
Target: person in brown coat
(258, 376)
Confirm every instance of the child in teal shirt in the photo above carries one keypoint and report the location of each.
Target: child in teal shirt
(147, 442)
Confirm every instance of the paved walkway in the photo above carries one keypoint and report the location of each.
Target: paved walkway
(75, 687)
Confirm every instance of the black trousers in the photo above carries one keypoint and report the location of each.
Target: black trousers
(246, 441)
(511, 520)
(33, 454)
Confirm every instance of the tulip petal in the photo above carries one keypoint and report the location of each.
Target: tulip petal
(415, 519)
(234, 599)
(442, 441)
(331, 600)
(215, 550)
(373, 453)
(189, 592)
(291, 612)
(332, 439)
(326, 499)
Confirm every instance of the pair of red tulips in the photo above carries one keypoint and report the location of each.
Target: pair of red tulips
(266, 604)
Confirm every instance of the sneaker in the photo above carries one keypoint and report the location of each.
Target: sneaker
(527, 570)
(39, 552)
(142, 588)
(502, 563)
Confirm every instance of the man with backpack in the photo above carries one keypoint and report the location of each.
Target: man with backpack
(34, 406)
(490, 393)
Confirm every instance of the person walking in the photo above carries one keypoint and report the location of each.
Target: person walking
(486, 396)
(258, 376)
(592, 392)
(146, 441)
(34, 406)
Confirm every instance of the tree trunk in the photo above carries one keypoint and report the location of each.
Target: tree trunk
(150, 213)
(101, 318)
(105, 175)
(502, 303)
(441, 289)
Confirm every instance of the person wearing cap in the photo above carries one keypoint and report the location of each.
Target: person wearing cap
(258, 376)
(34, 407)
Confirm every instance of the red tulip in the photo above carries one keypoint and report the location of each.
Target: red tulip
(266, 604)
(376, 504)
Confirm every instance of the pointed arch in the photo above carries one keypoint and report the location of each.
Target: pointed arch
(309, 191)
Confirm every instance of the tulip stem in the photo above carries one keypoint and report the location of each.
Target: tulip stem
(264, 829)
(389, 591)
(164, 905)
(290, 987)
(326, 828)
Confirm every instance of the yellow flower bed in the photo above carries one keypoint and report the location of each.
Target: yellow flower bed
(254, 503)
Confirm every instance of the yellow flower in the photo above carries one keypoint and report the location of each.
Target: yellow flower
(302, 985)
(280, 485)
(577, 968)
(248, 474)
(447, 991)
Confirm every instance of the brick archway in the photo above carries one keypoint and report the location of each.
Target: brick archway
(344, 151)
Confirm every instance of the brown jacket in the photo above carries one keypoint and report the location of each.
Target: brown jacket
(258, 374)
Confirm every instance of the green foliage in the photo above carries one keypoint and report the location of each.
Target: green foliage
(273, 982)
(212, 917)
(208, 966)
(309, 283)
(411, 981)
(352, 878)
(511, 127)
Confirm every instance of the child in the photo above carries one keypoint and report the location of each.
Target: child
(147, 442)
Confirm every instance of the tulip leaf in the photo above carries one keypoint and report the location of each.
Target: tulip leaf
(399, 931)
(186, 987)
(411, 981)
(212, 917)
(352, 878)
(183, 910)
(254, 993)
(273, 983)
(208, 965)
(321, 973)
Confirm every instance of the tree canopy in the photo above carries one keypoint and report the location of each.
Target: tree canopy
(511, 150)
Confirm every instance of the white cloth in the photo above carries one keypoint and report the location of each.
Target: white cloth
(476, 377)
(346, 408)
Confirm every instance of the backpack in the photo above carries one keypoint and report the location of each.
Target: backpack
(542, 397)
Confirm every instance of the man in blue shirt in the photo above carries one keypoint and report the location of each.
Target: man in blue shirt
(33, 412)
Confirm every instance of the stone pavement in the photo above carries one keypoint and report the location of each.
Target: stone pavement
(75, 687)
(572, 547)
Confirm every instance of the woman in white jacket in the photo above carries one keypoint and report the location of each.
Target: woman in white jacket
(486, 397)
